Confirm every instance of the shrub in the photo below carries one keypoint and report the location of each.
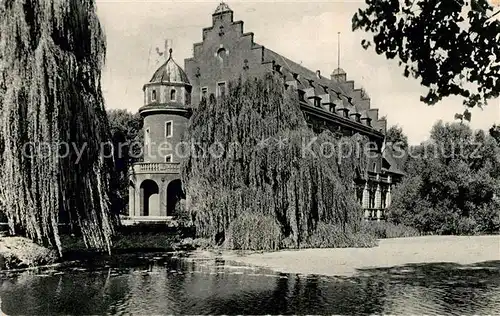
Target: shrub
(19, 252)
(451, 191)
(388, 230)
(253, 232)
(334, 236)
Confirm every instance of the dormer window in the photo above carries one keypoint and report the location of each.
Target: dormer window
(277, 68)
(317, 102)
(172, 95)
(301, 95)
(153, 95)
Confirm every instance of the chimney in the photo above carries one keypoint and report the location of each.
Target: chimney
(339, 75)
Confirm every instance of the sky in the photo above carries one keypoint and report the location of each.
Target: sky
(303, 31)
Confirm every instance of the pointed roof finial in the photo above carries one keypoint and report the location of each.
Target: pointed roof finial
(170, 53)
(222, 7)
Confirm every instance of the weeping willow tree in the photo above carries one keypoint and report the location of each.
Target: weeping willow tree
(53, 121)
(258, 178)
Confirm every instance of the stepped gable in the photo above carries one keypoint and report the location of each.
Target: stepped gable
(227, 37)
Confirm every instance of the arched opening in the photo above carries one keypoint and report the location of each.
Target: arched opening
(222, 56)
(172, 95)
(149, 198)
(174, 195)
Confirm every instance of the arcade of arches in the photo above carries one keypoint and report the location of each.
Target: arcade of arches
(156, 198)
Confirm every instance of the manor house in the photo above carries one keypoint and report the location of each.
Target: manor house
(227, 53)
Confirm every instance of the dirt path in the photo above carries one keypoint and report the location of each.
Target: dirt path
(390, 252)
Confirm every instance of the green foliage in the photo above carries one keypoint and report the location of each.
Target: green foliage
(334, 236)
(264, 169)
(127, 135)
(254, 232)
(387, 229)
(52, 53)
(451, 45)
(127, 138)
(19, 252)
(495, 132)
(452, 185)
(396, 137)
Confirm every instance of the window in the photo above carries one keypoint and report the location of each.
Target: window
(153, 95)
(147, 137)
(222, 56)
(204, 92)
(301, 95)
(221, 89)
(172, 95)
(168, 129)
(317, 102)
(168, 158)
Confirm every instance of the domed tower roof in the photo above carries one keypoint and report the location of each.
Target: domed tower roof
(170, 72)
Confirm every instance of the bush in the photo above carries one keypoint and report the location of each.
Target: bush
(452, 184)
(19, 252)
(487, 217)
(334, 236)
(388, 230)
(253, 232)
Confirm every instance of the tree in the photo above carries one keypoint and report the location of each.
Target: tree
(249, 181)
(450, 45)
(452, 183)
(127, 138)
(396, 137)
(495, 132)
(53, 121)
(127, 135)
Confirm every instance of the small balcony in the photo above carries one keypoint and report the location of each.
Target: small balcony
(157, 167)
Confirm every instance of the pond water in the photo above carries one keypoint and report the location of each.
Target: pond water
(171, 285)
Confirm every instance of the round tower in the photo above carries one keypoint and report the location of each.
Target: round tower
(155, 185)
(166, 110)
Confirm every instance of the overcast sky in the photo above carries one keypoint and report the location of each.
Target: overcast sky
(304, 31)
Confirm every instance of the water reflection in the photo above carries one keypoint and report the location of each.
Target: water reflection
(169, 285)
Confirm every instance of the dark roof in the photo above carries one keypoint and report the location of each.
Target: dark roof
(395, 160)
(170, 72)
